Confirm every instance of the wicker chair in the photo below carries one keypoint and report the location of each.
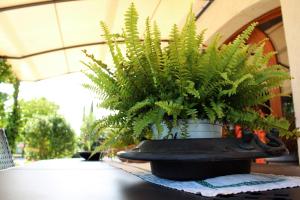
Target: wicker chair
(6, 160)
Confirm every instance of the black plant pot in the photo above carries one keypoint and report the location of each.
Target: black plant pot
(196, 159)
(95, 157)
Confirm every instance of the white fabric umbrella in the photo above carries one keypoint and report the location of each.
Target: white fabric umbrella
(43, 39)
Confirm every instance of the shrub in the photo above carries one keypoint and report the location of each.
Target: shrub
(48, 137)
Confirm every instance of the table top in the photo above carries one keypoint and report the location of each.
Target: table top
(75, 179)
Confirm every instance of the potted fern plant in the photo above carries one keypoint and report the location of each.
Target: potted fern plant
(169, 93)
(90, 138)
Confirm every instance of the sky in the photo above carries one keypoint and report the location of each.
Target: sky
(67, 92)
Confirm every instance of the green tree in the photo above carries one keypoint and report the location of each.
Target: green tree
(63, 140)
(35, 107)
(48, 137)
(9, 120)
(45, 133)
(3, 98)
(14, 120)
(6, 76)
(40, 106)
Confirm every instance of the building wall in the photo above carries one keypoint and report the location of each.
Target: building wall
(291, 20)
(228, 16)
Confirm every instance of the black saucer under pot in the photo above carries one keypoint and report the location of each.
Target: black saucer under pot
(192, 170)
(196, 159)
(87, 155)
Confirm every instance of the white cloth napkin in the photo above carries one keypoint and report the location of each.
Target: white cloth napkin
(230, 184)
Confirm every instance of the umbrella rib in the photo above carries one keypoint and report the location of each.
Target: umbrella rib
(61, 36)
(64, 48)
(26, 5)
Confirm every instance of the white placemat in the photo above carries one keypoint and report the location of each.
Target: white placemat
(230, 184)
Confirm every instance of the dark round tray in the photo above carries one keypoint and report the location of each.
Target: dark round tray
(189, 159)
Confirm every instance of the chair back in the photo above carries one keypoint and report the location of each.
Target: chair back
(6, 160)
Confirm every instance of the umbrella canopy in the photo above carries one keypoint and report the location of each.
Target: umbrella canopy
(43, 39)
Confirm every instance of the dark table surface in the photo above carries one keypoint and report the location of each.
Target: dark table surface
(74, 179)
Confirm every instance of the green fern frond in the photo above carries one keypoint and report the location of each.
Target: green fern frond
(170, 107)
(110, 43)
(218, 107)
(139, 105)
(210, 114)
(154, 116)
(99, 63)
(229, 50)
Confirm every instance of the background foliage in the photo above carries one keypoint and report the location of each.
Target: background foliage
(48, 137)
(32, 108)
(46, 134)
(9, 119)
(40, 106)
(6, 76)
(14, 118)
